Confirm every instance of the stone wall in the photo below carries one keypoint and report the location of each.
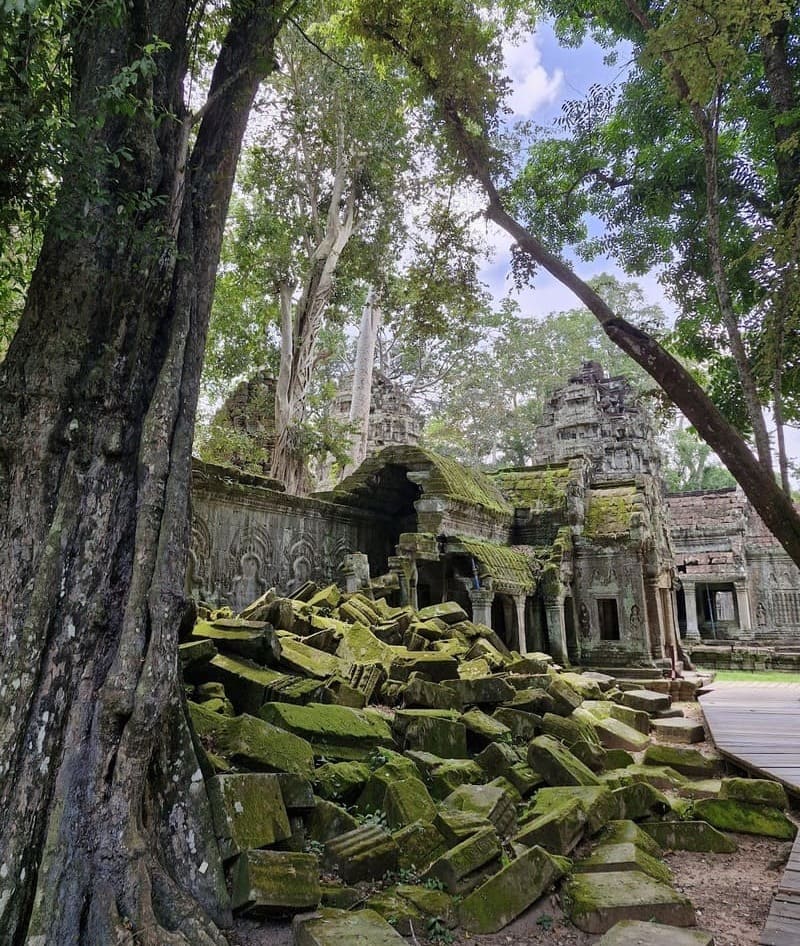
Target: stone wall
(247, 537)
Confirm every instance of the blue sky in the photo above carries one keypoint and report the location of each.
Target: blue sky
(544, 75)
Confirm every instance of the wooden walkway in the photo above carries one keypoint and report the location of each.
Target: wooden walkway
(757, 726)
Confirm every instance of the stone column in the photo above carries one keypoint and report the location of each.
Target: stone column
(399, 565)
(743, 605)
(556, 632)
(690, 599)
(519, 604)
(481, 600)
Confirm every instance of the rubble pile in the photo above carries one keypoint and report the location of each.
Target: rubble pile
(377, 771)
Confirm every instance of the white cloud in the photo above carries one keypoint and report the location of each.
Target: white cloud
(532, 86)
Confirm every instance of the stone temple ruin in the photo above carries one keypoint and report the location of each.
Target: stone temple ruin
(390, 739)
(582, 556)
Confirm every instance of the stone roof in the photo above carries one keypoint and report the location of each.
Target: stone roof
(438, 477)
(511, 568)
(537, 489)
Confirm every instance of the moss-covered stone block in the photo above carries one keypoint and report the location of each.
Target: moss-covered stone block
(558, 830)
(598, 803)
(625, 831)
(328, 820)
(398, 912)
(647, 700)
(614, 734)
(557, 765)
(532, 700)
(251, 743)
(431, 903)
(245, 683)
(366, 853)
(435, 665)
(482, 730)
(195, 654)
(755, 791)
(468, 864)
(661, 776)
(595, 902)
(623, 855)
(407, 800)
(275, 883)
(248, 812)
(509, 892)
(686, 761)
(584, 686)
(641, 800)
(524, 726)
(426, 694)
(607, 708)
(485, 801)
(482, 691)
(678, 729)
(337, 732)
(447, 611)
(329, 927)
(418, 845)
(299, 657)
(565, 698)
(689, 836)
(338, 895)
(638, 933)
(728, 814)
(446, 738)
(341, 781)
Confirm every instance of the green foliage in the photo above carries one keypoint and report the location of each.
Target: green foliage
(689, 463)
(438, 932)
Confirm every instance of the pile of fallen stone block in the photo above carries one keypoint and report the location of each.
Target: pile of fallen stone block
(377, 771)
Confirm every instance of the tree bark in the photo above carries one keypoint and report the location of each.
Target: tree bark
(361, 400)
(300, 328)
(105, 837)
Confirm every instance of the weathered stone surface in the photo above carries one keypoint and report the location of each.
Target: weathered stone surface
(245, 683)
(584, 685)
(337, 732)
(640, 800)
(338, 895)
(269, 883)
(646, 700)
(486, 801)
(623, 856)
(424, 693)
(297, 792)
(617, 759)
(418, 845)
(431, 903)
(689, 836)
(508, 893)
(298, 656)
(628, 832)
(196, 653)
(524, 726)
(395, 767)
(533, 700)
(448, 611)
(498, 758)
(604, 709)
(252, 743)
(456, 826)
(435, 665)
(756, 791)
(614, 734)
(686, 761)
(482, 730)
(406, 801)
(248, 812)
(460, 868)
(595, 902)
(329, 927)
(598, 803)
(557, 765)
(341, 781)
(558, 830)
(482, 691)
(639, 933)
(365, 853)
(661, 776)
(565, 698)
(678, 729)
(328, 820)
(727, 814)
(401, 914)
(428, 731)
(443, 776)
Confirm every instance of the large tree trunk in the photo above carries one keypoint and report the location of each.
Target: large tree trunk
(361, 395)
(104, 837)
(300, 327)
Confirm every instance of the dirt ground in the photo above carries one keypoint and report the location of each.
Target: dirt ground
(731, 894)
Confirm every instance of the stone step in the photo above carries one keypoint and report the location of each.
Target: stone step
(366, 853)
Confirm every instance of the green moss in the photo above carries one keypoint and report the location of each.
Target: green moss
(610, 511)
(730, 815)
(539, 489)
(506, 565)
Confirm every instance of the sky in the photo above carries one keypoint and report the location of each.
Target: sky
(544, 76)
